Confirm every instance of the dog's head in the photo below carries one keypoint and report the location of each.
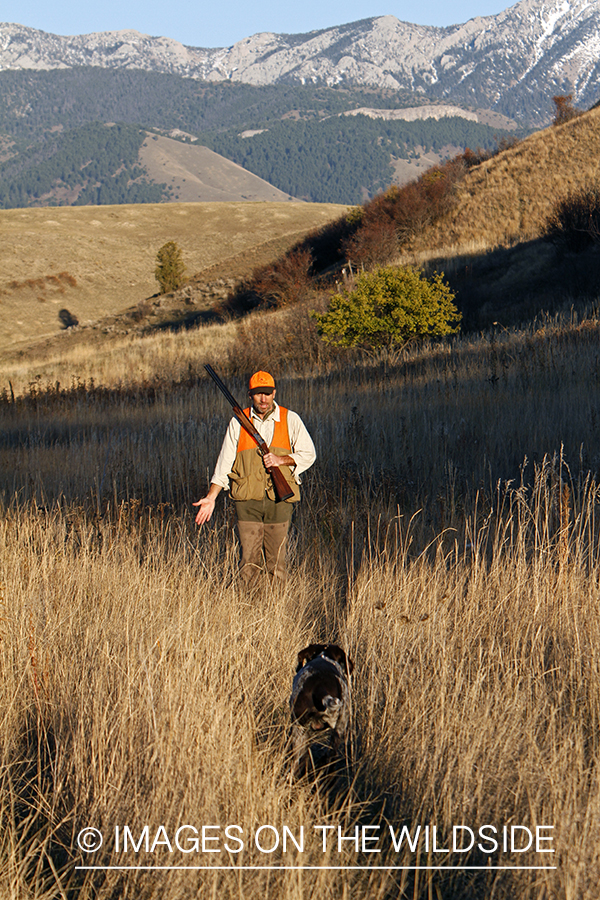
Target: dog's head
(329, 651)
(321, 692)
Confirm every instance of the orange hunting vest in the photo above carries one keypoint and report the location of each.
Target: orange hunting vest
(249, 478)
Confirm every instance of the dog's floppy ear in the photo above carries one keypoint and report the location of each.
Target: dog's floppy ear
(309, 653)
(339, 656)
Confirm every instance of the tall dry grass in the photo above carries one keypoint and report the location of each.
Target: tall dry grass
(428, 427)
(448, 538)
(140, 687)
(119, 361)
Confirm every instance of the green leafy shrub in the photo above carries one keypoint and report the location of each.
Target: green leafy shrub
(389, 307)
(170, 268)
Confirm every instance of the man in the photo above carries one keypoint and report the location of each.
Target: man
(263, 523)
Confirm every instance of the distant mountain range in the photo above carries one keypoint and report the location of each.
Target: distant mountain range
(59, 143)
(512, 63)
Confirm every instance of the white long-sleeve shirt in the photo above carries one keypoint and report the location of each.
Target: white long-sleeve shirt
(303, 450)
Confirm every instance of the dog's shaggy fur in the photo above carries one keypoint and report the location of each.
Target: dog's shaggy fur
(320, 707)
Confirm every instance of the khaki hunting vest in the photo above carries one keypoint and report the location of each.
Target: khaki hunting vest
(249, 478)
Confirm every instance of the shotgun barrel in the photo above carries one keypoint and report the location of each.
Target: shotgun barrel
(280, 485)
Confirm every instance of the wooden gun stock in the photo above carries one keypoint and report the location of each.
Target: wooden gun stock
(282, 488)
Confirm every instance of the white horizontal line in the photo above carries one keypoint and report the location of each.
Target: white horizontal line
(333, 868)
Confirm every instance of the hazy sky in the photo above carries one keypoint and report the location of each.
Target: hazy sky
(223, 22)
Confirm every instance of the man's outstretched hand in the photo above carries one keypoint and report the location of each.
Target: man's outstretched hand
(207, 504)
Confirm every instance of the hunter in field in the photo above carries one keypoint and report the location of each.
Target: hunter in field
(261, 464)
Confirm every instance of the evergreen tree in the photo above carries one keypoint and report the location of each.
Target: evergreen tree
(170, 268)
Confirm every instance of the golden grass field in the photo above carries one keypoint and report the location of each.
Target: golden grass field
(448, 538)
(97, 261)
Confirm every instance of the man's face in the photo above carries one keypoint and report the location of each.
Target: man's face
(262, 401)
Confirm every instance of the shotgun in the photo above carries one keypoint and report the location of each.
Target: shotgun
(282, 488)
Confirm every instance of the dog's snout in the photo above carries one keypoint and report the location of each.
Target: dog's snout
(331, 703)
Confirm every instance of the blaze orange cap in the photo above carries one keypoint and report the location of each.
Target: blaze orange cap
(261, 380)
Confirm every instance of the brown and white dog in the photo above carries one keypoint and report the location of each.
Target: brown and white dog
(320, 707)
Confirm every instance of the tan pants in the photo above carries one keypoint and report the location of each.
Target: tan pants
(257, 539)
(261, 536)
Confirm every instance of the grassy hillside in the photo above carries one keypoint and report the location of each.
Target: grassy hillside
(480, 218)
(194, 173)
(509, 197)
(96, 261)
(490, 242)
